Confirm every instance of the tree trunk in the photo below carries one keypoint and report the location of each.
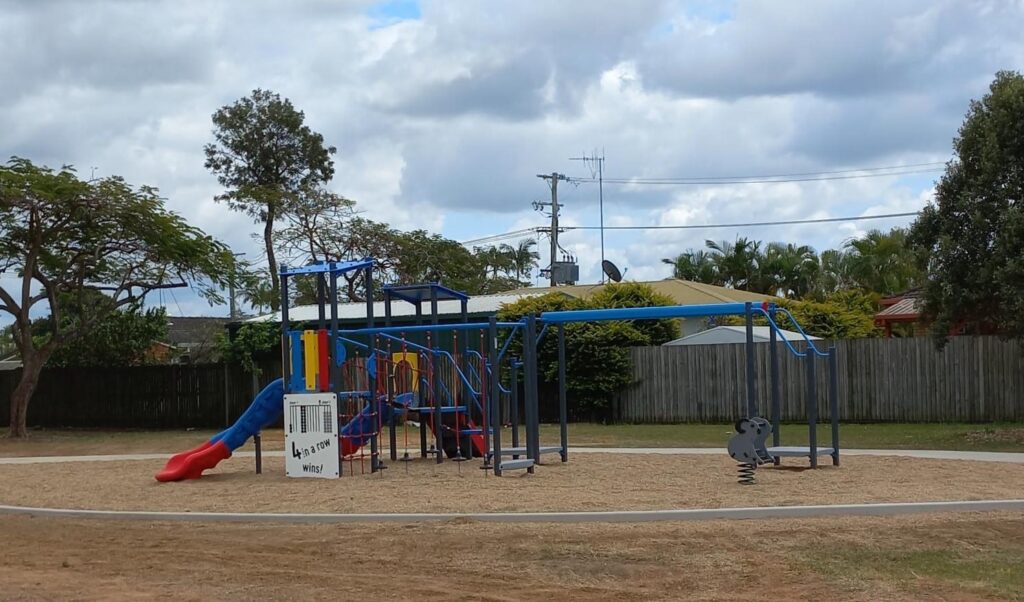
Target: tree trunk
(32, 366)
(275, 281)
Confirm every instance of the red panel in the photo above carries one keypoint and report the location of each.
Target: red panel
(325, 364)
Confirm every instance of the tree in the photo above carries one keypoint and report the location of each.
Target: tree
(524, 259)
(786, 269)
(694, 265)
(883, 262)
(250, 343)
(597, 353)
(269, 160)
(736, 262)
(121, 338)
(971, 240)
(66, 239)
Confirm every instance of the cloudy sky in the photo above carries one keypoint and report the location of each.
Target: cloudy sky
(444, 112)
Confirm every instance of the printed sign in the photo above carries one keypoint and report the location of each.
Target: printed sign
(311, 435)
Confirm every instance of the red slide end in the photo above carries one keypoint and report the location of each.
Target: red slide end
(192, 463)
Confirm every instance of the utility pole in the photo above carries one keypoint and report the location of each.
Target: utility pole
(599, 161)
(552, 180)
(232, 302)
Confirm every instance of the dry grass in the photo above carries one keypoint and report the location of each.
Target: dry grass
(587, 482)
(47, 559)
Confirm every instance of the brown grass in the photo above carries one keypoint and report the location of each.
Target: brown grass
(47, 559)
(587, 482)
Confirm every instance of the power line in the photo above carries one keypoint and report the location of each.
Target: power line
(806, 173)
(750, 224)
(708, 181)
(497, 237)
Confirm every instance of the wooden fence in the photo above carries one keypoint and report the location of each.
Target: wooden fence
(975, 379)
(185, 396)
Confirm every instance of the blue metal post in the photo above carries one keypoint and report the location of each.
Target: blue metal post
(494, 418)
(751, 370)
(812, 408)
(833, 400)
(563, 412)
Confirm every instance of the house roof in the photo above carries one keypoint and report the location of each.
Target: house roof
(735, 334)
(906, 309)
(683, 292)
(481, 305)
(189, 330)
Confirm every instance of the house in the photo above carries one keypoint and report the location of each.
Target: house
(682, 292)
(189, 340)
(724, 335)
(353, 315)
(481, 307)
(903, 315)
(901, 309)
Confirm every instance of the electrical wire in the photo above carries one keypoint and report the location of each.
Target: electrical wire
(791, 222)
(930, 164)
(750, 224)
(724, 181)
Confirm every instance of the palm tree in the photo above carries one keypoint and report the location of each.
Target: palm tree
(786, 269)
(736, 262)
(883, 262)
(495, 260)
(524, 258)
(694, 265)
(833, 273)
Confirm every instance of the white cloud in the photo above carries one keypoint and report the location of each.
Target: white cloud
(443, 121)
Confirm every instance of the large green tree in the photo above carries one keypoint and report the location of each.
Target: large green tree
(971, 240)
(269, 161)
(121, 338)
(64, 239)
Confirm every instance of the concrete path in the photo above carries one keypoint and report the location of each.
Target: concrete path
(541, 517)
(1015, 458)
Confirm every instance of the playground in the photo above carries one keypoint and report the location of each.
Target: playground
(437, 426)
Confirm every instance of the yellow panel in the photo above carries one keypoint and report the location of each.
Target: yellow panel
(312, 358)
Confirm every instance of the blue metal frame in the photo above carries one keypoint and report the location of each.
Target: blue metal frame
(328, 267)
(423, 292)
(645, 313)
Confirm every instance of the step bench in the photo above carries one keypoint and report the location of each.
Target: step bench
(515, 465)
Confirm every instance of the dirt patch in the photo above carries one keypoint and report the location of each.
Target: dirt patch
(46, 559)
(1002, 435)
(587, 482)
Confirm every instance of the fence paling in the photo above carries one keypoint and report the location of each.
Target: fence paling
(176, 396)
(975, 379)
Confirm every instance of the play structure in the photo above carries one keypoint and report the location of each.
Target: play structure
(446, 389)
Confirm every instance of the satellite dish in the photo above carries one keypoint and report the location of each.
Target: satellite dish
(611, 271)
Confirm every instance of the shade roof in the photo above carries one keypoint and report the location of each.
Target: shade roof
(417, 293)
(483, 304)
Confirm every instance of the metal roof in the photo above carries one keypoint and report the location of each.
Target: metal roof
(682, 292)
(484, 304)
(721, 335)
(904, 309)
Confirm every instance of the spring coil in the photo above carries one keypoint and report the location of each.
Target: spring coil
(746, 473)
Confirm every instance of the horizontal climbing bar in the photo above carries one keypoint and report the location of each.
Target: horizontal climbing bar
(646, 313)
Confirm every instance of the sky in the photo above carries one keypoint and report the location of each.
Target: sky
(443, 113)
